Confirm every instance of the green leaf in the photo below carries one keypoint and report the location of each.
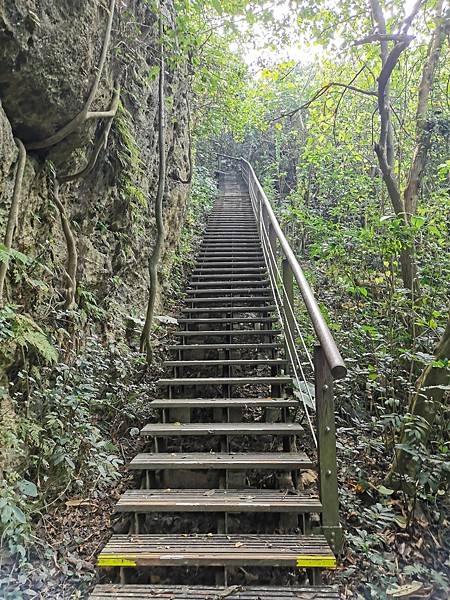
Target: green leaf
(384, 490)
(18, 513)
(28, 488)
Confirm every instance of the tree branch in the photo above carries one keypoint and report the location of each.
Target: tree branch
(320, 93)
(384, 37)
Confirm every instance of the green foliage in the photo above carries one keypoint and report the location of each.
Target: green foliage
(66, 433)
(21, 330)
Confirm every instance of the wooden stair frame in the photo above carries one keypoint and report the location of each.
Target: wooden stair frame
(225, 302)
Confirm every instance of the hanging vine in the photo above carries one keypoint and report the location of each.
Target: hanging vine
(13, 213)
(145, 342)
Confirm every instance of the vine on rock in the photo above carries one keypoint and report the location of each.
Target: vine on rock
(13, 213)
(145, 342)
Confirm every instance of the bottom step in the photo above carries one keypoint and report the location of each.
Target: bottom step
(217, 550)
(182, 592)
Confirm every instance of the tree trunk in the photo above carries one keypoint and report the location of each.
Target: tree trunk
(425, 403)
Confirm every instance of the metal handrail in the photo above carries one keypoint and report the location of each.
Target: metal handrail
(329, 347)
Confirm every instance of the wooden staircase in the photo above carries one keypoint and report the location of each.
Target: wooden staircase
(225, 449)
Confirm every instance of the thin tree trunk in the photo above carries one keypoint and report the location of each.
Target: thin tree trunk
(425, 404)
(13, 212)
(423, 133)
(154, 258)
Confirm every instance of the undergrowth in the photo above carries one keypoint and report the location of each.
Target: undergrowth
(72, 403)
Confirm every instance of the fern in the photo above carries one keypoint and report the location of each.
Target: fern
(26, 332)
(40, 343)
(6, 255)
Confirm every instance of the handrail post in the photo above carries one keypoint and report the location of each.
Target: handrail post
(326, 448)
(288, 300)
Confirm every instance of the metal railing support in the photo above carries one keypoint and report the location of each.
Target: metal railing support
(288, 301)
(326, 448)
(327, 361)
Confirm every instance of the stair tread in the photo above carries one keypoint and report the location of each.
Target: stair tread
(182, 592)
(231, 299)
(222, 460)
(227, 291)
(239, 500)
(206, 320)
(239, 332)
(226, 362)
(163, 429)
(217, 550)
(277, 379)
(210, 279)
(222, 402)
(226, 276)
(236, 346)
(231, 309)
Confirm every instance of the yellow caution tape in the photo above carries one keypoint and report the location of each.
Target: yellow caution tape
(115, 561)
(328, 562)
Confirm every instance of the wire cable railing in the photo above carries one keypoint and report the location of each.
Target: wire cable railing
(325, 365)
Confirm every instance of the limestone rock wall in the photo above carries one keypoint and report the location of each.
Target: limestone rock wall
(49, 53)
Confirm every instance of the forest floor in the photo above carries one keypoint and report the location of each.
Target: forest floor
(382, 552)
(386, 548)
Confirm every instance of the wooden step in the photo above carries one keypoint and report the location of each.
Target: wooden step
(230, 299)
(224, 402)
(183, 429)
(226, 277)
(211, 248)
(222, 267)
(237, 346)
(232, 309)
(240, 262)
(248, 461)
(114, 591)
(211, 281)
(270, 362)
(228, 332)
(217, 550)
(230, 254)
(261, 271)
(253, 380)
(218, 500)
(227, 320)
(256, 289)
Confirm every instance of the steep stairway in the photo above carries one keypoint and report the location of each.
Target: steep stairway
(220, 512)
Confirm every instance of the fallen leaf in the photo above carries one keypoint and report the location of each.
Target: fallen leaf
(404, 591)
(78, 502)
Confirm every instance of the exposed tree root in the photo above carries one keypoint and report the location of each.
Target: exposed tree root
(85, 113)
(145, 342)
(72, 254)
(13, 212)
(99, 145)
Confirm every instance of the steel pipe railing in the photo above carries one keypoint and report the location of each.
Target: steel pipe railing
(327, 362)
(330, 350)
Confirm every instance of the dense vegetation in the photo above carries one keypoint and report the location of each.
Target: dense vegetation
(351, 141)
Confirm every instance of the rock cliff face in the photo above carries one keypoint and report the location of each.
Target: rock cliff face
(49, 55)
